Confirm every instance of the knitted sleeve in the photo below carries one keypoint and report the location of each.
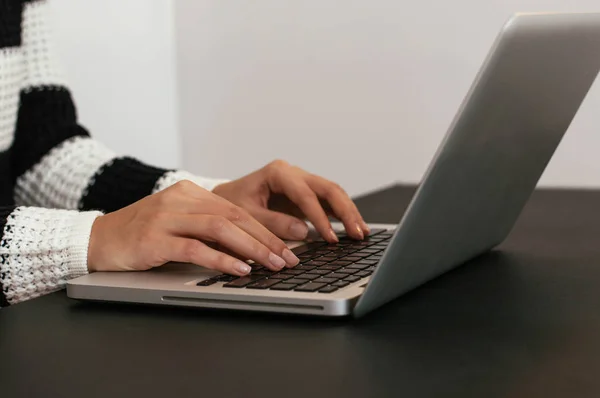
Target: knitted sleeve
(40, 249)
(55, 163)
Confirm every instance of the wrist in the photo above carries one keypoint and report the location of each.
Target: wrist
(93, 248)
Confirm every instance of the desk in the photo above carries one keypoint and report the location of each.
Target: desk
(523, 321)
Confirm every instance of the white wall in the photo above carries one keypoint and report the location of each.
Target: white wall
(361, 91)
(119, 57)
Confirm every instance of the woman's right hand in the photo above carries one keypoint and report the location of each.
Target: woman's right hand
(180, 224)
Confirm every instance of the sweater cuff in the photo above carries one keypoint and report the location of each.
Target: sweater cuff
(173, 177)
(41, 249)
(79, 242)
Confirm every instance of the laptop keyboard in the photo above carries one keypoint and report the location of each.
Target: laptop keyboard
(323, 267)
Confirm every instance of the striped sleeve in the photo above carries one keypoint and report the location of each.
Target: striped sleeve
(55, 162)
(40, 249)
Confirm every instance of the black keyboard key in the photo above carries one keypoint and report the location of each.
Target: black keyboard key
(346, 242)
(351, 258)
(369, 250)
(368, 262)
(336, 275)
(310, 287)
(244, 280)
(353, 278)
(283, 286)
(206, 282)
(362, 255)
(338, 255)
(264, 272)
(316, 263)
(296, 281)
(328, 289)
(371, 268)
(357, 266)
(305, 257)
(348, 271)
(378, 246)
(340, 283)
(281, 276)
(325, 279)
(308, 277)
(307, 247)
(318, 272)
(362, 274)
(305, 267)
(224, 278)
(341, 263)
(328, 258)
(331, 267)
(263, 284)
(292, 272)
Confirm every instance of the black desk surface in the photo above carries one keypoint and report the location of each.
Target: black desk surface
(523, 321)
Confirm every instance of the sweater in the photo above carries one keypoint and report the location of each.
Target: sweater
(55, 180)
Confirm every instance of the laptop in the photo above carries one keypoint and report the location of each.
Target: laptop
(521, 103)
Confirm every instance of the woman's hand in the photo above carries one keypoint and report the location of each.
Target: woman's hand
(181, 224)
(280, 195)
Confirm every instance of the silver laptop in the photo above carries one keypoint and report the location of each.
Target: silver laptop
(522, 101)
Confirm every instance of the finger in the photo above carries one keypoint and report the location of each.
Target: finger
(343, 207)
(222, 231)
(193, 251)
(241, 218)
(253, 227)
(282, 225)
(303, 196)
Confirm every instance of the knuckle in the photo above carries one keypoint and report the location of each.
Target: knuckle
(261, 251)
(191, 251)
(167, 197)
(218, 224)
(236, 213)
(276, 243)
(306, 200)
(222, 262)
(278, 164)
(333, 189)
(183, 186)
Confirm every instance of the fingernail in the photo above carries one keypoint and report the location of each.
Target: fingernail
(276, 261)
(290, 257)
(333, 236)
(298, 230)
(359, 231)
(242, 267)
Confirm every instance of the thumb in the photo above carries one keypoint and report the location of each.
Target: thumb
(282, 225)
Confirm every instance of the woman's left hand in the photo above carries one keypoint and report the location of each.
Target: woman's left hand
(280, 196)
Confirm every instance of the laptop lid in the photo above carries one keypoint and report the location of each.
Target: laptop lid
(521, 103)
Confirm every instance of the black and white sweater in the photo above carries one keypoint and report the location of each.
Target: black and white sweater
(54, 179)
